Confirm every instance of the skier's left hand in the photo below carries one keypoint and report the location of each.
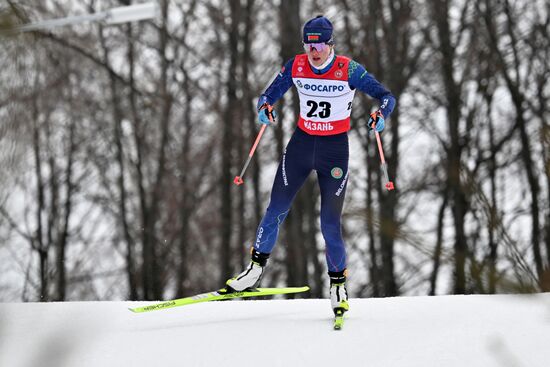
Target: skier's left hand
(376, 121)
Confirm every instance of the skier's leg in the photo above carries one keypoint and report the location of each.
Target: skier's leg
(332, 199)
(294, 167)
(333, 174)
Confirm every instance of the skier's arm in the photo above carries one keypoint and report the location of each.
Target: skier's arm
(279, 86)
(359, 78)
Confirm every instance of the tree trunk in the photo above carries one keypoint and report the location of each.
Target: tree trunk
(153, 280)
(247, 119)
(226, 181)
(117, 116)
(511, 76)
(438, 246)
(453, 104)
(38, 238)
(188, 194)
(63, 236)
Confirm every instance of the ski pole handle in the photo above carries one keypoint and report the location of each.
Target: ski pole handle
(388, 184)
(238, 180)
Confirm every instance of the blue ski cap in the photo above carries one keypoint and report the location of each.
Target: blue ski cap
(318, 30)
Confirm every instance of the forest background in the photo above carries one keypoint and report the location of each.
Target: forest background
(119, 145)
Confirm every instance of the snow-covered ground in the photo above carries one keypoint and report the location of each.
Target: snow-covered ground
(444, 331)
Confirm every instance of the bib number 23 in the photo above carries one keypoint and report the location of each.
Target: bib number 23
(323, 107)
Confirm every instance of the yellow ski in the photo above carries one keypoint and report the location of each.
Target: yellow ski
(221, 294)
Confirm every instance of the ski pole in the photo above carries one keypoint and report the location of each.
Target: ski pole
(389, 184)
(238, 180)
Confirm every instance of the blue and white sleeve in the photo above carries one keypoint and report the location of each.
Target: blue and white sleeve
(279, 86)
(359, 78)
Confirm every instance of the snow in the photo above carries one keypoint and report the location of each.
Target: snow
(446, 331)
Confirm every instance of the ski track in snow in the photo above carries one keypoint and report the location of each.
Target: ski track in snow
(446, 331)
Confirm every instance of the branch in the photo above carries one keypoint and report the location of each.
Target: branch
(14, 226)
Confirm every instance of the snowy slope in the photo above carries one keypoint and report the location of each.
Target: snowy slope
(450, 331)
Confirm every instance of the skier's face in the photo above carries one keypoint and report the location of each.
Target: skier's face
(317, 53)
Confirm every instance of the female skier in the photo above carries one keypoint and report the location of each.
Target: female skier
(326, 84)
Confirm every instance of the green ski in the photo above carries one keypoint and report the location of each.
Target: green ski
(219, 295)
(338, 319)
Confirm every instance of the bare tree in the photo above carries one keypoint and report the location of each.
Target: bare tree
(121, 143)
(510, 64)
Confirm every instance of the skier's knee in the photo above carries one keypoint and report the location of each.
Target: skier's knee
(277, 213)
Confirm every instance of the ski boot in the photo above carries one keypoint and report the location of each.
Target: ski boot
(338, 292)
(338, 297)
(250, 278)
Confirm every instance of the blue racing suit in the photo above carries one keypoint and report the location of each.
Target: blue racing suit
(316, 149)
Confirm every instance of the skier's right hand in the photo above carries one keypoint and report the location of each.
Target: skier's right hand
(266, 114)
